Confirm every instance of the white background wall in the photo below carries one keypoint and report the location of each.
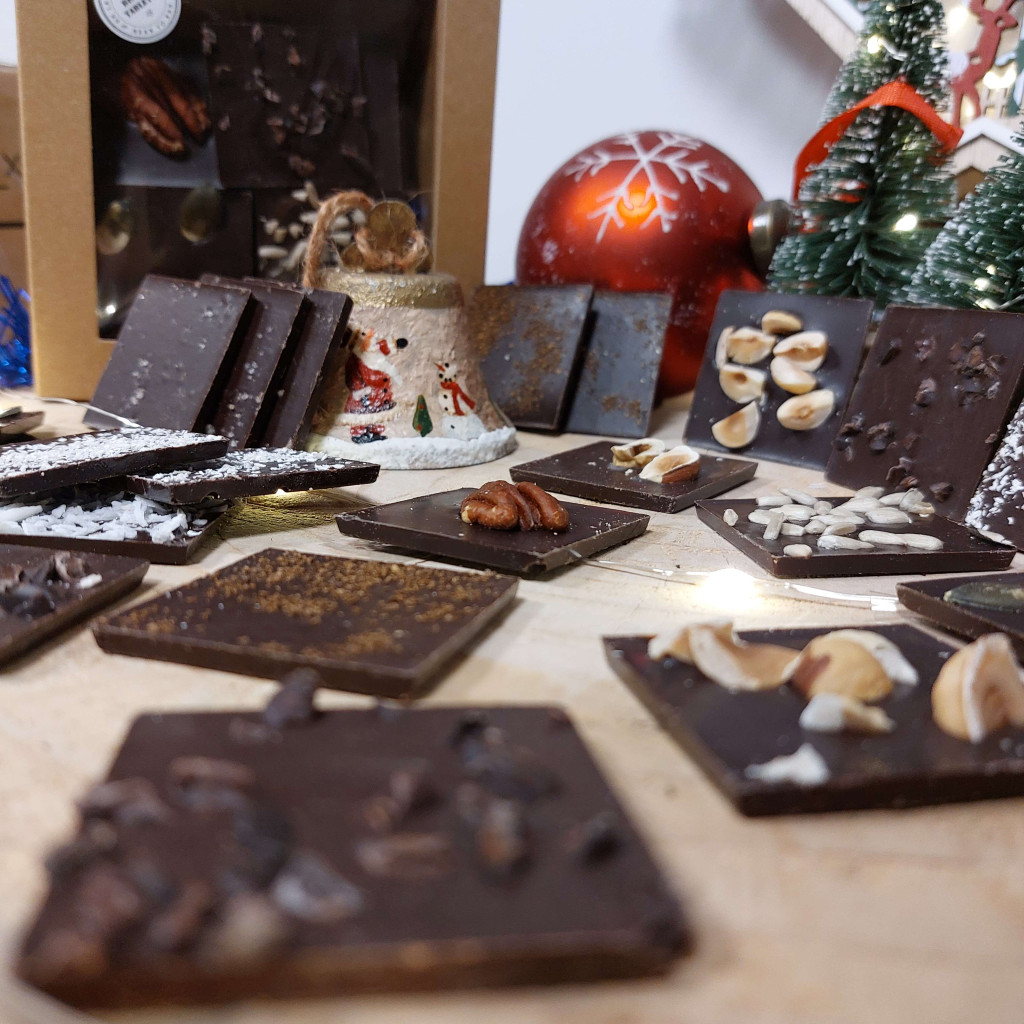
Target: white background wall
(748, 76)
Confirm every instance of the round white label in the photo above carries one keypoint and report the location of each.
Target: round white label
(139, 21)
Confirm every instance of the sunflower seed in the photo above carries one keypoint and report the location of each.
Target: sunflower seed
(834, 542)
(773, 527)
(888, 517)
(772, 500)
(730, 517)
(797, 551)
(917, 541)
(800, 497)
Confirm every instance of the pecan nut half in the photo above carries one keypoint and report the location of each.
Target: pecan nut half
(163, 106)
(499, 505)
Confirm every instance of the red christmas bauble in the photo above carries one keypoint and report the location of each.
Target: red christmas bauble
(647, 211)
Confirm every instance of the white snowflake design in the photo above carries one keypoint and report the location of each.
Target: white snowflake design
(670, 156)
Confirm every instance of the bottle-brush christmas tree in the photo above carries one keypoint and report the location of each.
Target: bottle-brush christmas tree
(868, 211)
(977, 259)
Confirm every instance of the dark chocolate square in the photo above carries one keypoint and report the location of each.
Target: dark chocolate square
(431, 525)
(172, 355)
(197, 524)
(504, 859)
(615, 393)
(963, 550)
(937, 389)
(289, 104)
(308, 370)
(258, 370)
(252, 471)
(997, 506)
(86, 458)
(530, 342)
(41, 603)
(925, 597)
(917, 764)
(845, 323)
(588, 472)
(371, 627)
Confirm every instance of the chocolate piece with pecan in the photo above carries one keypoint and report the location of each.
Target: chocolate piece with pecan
(499, 505)
(163, 106)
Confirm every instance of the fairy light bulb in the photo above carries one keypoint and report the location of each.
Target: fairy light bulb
(908, 222)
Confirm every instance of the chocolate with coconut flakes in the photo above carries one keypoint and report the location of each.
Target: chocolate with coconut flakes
(249, 472)
(228, 856)
(88, 458)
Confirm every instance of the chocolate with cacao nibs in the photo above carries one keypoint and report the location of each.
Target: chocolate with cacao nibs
(43, 593)
(932, 409)
(262, 875)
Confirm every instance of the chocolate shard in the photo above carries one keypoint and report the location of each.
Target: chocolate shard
(178, 926)
(309, 889)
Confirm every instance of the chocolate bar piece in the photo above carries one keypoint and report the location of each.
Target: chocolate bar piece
(173, 354)
(86, 458)
(431, 525)
(370, 627)
(615, 393)
(252, 471)
(317, 350)
(43, 594)
(962, 549)
(108, 521)
(530, 342)
(971, 606)
(288, 105)
(257, 373)
(588, 472)
(726, 733)
(16, 422)
(996, 505)
(233, 855)
(844, 325)
(931, 404)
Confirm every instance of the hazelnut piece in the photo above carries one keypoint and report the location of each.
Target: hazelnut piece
(806, 412)
(788, 376)
(635, 454)
(778, 321)
(842, 663)
(673, 467)
(979, 690)
(739, 429)
(748, 345)
(725, 659)
(741, 383)
(806, 349)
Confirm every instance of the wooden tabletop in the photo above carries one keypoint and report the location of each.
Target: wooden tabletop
(886, 917)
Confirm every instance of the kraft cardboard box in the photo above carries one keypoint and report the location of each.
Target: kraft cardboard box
(75, 165)
(12, 206)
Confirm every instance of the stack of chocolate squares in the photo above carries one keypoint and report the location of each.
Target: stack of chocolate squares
(244, 359)
(145, 492)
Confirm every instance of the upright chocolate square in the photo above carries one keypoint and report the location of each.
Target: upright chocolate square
(530, 342)
(308, 370)
(997, 506)
(370, 627)
(347, 851)
(262, 360)
(173, 355)
(615, 393)
(777, 390)
(931, 404)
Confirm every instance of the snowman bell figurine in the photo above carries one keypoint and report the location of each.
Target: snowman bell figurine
(408, 392)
